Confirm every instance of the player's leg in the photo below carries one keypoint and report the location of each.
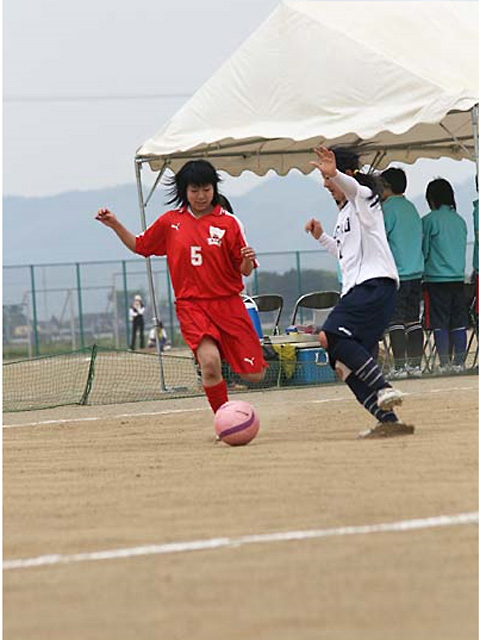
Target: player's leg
(134, 335)
(440, 303)
(203, 338)
(364, 394)
(398, 342)
(396, 331)
(458, 320)
(209, 359)
(414, 330)
(238, 340)
(388, 424)
(360, 363)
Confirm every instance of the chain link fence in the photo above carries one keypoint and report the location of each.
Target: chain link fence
(56, 308)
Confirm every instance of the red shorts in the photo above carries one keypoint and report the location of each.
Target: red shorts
(226, 320)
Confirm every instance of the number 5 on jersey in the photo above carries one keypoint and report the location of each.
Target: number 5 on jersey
(196, 257)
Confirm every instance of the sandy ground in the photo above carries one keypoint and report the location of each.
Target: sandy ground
(88, 479)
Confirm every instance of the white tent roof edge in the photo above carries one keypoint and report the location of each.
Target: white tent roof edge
(251, 117)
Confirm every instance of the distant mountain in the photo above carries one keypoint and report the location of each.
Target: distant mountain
(62, 228)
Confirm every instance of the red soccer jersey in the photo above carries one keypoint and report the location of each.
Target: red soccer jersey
(203, 254)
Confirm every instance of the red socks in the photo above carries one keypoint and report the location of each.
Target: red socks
(217, 395)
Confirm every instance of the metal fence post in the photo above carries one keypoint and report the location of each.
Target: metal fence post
(34, 311)
(170, 308)
(80, 308)
(125, 299)
(299, 280)
(255, 281)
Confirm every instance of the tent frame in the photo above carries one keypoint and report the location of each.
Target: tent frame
(217, 151)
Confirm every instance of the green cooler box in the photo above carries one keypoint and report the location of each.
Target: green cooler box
(313, 367)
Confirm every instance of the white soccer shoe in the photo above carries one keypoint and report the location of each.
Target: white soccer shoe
(388, 397)
(414, 372)
(398, 374)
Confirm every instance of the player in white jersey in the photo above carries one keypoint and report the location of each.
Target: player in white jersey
(369, 282)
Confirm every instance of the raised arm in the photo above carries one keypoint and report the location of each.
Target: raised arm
(328, 166)
(314, 227)
(109, 219)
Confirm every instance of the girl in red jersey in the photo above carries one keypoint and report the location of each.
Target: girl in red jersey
(207, 255)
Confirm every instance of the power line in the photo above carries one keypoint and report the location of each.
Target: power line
(97, 98)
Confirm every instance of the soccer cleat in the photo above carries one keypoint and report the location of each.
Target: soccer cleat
(397, 374)
(414, 372)
(444, 370)
(388, 397)
(388, 430)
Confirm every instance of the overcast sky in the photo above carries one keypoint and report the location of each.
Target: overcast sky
(83, 85)
(63, 58)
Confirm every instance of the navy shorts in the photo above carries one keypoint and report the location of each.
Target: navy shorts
(445, 305)
(407, 303)
(364, 313)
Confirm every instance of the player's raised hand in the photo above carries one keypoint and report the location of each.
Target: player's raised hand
(106, 217)
(314, 227)
(325, 161)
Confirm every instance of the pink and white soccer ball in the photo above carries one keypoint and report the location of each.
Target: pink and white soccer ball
(236, 422)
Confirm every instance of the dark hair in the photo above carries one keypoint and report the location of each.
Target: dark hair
(348, 160)
(224, 202)
(197, 173)
(440, 192)
(395, 179)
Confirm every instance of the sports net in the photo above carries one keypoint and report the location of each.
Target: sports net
(99, 376)
(96, 376)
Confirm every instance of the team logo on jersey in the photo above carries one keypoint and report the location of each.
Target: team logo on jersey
(251, 361)
(345, 331)
(175, 226)
(216, 236)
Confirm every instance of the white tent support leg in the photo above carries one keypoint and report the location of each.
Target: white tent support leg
(151, 284)
(475, 136)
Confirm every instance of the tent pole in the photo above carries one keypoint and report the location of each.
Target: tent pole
(475, 136)
(151, 284)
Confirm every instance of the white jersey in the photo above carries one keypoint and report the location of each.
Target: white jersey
(359, 241)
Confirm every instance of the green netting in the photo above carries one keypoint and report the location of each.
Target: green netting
(125, 376)
(99, 376)
(102, 376)
(96, 376)
(46, 382)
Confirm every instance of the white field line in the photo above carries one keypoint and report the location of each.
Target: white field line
(42, 423)
(221, 543)
(96, 418)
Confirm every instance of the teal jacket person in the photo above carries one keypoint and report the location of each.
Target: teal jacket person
(475, 231)
(403, 226)
(444, 245)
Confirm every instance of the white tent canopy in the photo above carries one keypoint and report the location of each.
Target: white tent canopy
(397, 79)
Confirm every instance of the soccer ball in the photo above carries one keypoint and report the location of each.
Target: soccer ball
(236, 422)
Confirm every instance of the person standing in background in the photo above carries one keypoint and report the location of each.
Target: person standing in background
(475, 250)
(403, 227)
(444, 250)
(136, 312)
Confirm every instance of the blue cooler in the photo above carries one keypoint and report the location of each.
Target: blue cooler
(313, 367)
(254, 317)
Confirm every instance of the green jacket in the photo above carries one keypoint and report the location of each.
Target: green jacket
(403, 226)
(444, 245)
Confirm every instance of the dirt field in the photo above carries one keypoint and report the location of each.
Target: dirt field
(81, 480)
